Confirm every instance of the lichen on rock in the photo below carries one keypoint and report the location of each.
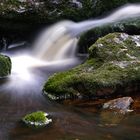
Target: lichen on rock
(5, 65)
(112, 68)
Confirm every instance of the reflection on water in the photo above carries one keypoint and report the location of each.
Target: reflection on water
(111, 118)
(70, 123)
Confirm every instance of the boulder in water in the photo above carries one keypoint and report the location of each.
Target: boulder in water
(120, 104)
(37, 119)
(87, 39)
(5, 65)
(112, 69)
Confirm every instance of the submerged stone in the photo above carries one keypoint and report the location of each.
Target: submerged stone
(5, 65)
(120, 104)
(112, 68)
(37, 119)
(110, 118)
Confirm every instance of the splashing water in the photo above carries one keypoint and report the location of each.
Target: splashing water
(25, 62)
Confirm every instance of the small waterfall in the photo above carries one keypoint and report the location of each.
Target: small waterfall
(55, 49)
(56, 39)
(59, 42)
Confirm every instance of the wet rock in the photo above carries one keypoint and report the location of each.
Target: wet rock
(130, 27)
(77, 3)
(112, 69)
(40, 10)
(5, 66)
(120, 104)
(37, 119)
(23, 17)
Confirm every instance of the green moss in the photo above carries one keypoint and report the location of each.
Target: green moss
(36, 117)
(5, 66)
(113, 64)
(87, 39)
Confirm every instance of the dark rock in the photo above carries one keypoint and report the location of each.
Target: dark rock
(43, 10)
(87, 39)
(23, 17)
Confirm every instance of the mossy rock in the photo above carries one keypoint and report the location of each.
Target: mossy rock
(5, 65)
(131, 27)
(22, 17)
(113, 68)
(37, 119)
(52, 11)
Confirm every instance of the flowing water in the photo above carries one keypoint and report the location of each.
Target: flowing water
(21, 93)
(62, 38)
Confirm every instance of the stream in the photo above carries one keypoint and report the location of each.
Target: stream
(22, 96)
(21, 93)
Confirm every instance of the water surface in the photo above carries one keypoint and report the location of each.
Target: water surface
(19, 97)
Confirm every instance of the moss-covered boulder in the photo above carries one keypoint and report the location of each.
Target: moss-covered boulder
(37, 119)
(5, 65)
(130, 27)
(113, 68)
